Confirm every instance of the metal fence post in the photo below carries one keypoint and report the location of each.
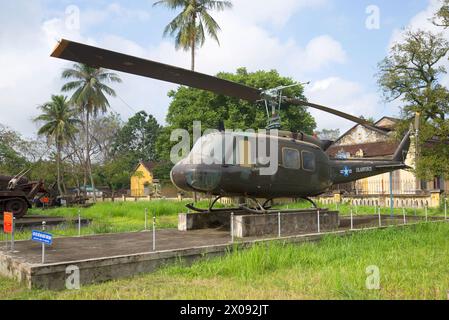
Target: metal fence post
(79, 223)
(154, 233)
(232, 227)
(403, 213)
(318, 220)
(352, 221)
(380, 217)
(43, 244)
(279, 224)
(13, 232)
(415, 205)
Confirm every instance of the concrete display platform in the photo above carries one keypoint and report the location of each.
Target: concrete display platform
(111, 256)
(30, 222)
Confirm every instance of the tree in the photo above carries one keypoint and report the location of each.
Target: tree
(89, 86)
(137, 138)
(441, 18)
(59, 125)
(412, 73)
(11, 160)
(191, 25)
(116, 173)
(104, 131)
(189, 105)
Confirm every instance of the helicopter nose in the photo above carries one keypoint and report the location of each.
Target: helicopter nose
(195, 177)
(178, 178)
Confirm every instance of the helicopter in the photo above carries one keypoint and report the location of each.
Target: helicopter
(302, 167)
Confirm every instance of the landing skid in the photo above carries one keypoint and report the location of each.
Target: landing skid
(211, 207)
(258, 209)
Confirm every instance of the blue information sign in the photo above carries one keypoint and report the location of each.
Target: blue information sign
(42, 237)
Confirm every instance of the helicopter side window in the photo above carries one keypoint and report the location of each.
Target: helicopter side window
(308, 161)
(290, 158)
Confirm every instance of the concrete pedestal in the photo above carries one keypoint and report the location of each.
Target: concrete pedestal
(290, 223)
(251, 225)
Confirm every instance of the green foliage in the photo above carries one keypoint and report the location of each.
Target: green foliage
(441, 18)
(137, 138)
(11, 160)
(162, 171)
(412, 73)
(89, 87)
(58, 119)
(189, 105)
(115, 173)
(59, 124)
(192, 24)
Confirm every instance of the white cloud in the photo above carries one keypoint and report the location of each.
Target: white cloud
(343, 95)
(30, 76)
(271, 11)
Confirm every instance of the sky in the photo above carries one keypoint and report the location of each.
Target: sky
(334, 44)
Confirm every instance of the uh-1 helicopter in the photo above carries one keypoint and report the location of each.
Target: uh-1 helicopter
(303, 169)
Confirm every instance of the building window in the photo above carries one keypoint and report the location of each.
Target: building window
(438, 183)
(290, 158)
(308, 161)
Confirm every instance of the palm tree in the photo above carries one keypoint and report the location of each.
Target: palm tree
(59, 124)
(89, 86)
(190, 26)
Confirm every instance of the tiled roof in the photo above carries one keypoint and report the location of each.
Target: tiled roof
(148, 165)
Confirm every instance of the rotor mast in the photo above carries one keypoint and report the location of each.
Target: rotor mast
(273, 99)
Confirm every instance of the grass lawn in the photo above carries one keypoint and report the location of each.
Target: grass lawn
(413, 264)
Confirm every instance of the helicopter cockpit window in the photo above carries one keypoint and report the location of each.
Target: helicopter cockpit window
(290, 158)
(308, 161)
(208, 150)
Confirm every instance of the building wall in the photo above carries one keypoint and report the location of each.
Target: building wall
(138, 183)
(360, 134)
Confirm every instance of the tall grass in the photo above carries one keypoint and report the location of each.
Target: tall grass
(413, 264)
(345, 209)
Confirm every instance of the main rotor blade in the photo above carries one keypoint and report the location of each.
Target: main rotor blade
(97, 57)
(333, 111)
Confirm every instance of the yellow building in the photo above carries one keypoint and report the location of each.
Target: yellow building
(142, 179)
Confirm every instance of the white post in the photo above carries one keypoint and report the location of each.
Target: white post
(403, 213)
(154, 233)
(232, 227)
(380, 218)
(414, 207)
(79, 223)
(12, 233)
(43, 244)
(318, 220)
(352, 221)
(279, 224)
